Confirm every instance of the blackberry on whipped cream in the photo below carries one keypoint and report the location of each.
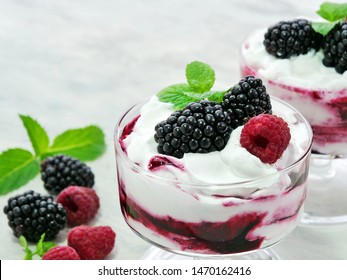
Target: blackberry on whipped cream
(201, 127)
(291, 38)
(335, 48)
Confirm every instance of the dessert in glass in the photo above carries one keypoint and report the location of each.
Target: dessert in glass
(208, 195)
(312, 77)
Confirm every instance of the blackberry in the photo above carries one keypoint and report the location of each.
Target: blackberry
(31, 214)
(200, 127)
(335, 48)
(290, 38)
(246, 99)
(61, 171)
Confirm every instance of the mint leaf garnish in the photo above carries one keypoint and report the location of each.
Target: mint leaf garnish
(17, 167)
(41, 247)
(38, 136)
(200, 76)
(28, 253)
(216, 96)
(175, 94)
(323, 27)
(83, 143)
(332, 11)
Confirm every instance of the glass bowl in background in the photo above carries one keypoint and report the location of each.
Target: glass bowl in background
(211, 220)
(326, 111)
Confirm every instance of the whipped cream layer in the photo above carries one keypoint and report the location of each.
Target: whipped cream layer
(231, 165)
(303, 71)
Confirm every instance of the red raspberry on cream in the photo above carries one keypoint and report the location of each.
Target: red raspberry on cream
(266, 136)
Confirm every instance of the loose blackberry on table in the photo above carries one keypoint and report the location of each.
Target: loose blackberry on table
(31, 214)
(335, 48)
(246, 99)
(291, 38)
(61, 171)
(201, 127)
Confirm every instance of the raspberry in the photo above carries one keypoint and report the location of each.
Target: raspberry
(265, 136)
(291, 38)
(201, 127)
(61, 252)
(81, 204)
(335, 48)
(92, 243)
(60, 172)
(246, 99)
(31, 214)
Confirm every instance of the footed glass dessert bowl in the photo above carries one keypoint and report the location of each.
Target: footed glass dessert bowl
(309, 82)
(219, 204)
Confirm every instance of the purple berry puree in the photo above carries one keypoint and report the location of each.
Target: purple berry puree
(129, 128)
(219, 237)
(234, 235)
(332, 130)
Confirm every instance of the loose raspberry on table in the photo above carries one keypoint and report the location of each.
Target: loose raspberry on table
(81, 204)
(61, 252)
(266, 136)
(92, 243)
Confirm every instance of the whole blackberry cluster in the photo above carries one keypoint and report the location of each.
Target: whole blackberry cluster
(61, 171)
(290, 38)
(335, 48)
(246, 99)
(201, 127)
(31, 214)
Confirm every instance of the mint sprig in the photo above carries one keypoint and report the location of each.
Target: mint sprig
(323, 27)
(200, 76)
(41, 247)
(200, 79)
(19, 166)
(333, 13)
(38, 136)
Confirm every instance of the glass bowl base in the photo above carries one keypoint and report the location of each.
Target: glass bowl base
(154, 253)
(327, 192)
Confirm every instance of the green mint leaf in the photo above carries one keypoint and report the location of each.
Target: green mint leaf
(216, 96)
(17, 167)
(28, 253)
(38, 136)
(332, 11)
(39, 245)
(83, 143)
(200, 76)
(323, 27)
(175, 94)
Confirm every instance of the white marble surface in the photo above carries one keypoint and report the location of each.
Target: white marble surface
(74, 63)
